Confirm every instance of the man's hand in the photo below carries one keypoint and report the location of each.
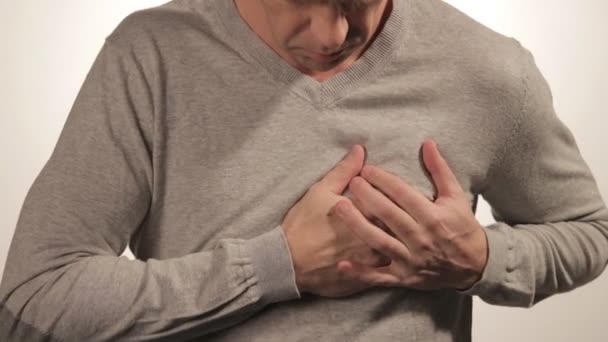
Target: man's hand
(433, 245)
(317, 239)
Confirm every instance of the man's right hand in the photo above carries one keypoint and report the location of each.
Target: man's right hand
(317, 239)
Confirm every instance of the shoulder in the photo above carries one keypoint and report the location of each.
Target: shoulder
(481, 54)
(165, 24)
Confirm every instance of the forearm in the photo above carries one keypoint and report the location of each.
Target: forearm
(106, 297)
(552, 230)
(530, 262)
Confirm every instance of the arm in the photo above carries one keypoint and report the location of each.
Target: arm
(64, 279)
(551, 233)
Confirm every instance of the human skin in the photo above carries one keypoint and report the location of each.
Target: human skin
(319, 38)
(436, 244)
(335, 253)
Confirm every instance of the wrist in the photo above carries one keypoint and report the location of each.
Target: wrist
(479, 262)
(302, 284)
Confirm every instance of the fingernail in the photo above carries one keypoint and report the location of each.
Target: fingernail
(342, 208)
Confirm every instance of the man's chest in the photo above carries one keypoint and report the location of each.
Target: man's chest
(236, 172)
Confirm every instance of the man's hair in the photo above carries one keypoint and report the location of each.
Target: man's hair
(339, 4)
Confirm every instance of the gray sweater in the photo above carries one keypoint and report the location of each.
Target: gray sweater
(190, 139)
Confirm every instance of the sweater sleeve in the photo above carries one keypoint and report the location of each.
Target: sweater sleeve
(551, 233)
(64, 277)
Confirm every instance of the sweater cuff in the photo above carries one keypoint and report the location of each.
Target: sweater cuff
(272, 266)
(500, 251)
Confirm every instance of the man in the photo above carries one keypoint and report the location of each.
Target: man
(208, 136)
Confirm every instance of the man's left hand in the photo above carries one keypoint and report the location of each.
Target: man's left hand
(432, 244)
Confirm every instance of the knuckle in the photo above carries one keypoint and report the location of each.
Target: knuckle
(315, 189)
(357, 203)
(344, 203)
(385, 212)
(401, 191)
(431, 264)
(369, 171)
(356, 183)
(381, 245)
(418, 264)
(435, 221)
(383, 282)
(425, 246)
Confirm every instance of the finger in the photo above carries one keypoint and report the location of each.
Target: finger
(373, 236)
(338, 178)
(445, 181)
(404, 195)
(378, 276)
(379, 206)
(366, 212)
(370, 258)
(369, 216)
(372, 219)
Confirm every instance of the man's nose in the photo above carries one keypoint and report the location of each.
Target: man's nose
(330, 27)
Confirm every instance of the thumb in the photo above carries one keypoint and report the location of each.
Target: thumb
(339, 177)
(443, 177)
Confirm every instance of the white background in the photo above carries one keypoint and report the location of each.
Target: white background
(47, 47)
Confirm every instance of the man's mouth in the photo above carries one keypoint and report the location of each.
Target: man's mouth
(326, 58)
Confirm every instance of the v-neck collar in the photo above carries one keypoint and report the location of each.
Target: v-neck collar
(245, 40)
